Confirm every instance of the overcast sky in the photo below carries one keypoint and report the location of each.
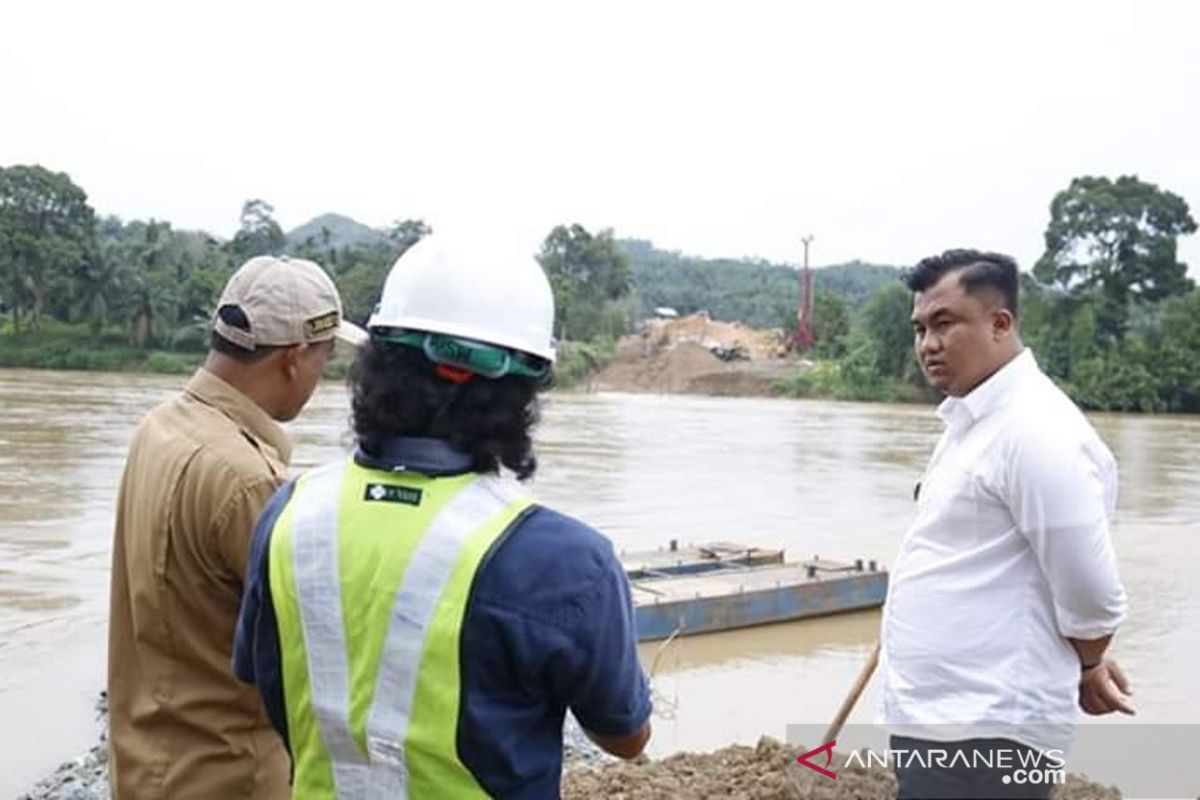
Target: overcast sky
(888, 130)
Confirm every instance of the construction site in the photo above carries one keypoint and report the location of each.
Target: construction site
(695, 354)
(698, 355)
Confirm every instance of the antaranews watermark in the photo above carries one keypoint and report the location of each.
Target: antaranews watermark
(1017, 765)
(1136, 759)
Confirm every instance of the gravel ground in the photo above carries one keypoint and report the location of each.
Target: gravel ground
(85, 778)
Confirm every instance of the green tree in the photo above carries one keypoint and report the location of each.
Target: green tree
(590, 277)
(1116, 240)
(1118, 379)
(150, 291)
(361, 272)
(96, 286)
(1177, 360)
(360, 268)
(46, 230)
(885, 322)
(831, 325)
(753, 291)
(407, 232)
(158, 282)
(259, 233)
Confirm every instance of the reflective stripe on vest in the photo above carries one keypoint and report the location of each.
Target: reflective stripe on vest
(426, 612)
(318, 590)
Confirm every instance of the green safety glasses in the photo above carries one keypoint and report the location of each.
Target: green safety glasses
(483, 359)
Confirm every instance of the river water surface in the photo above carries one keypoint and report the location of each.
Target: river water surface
(832, 479)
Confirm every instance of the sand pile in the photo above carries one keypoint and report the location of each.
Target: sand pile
(660, 334)
(671, 369)
(765, 772)
(677, 356)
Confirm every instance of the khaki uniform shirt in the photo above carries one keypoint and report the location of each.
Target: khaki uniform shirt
(200, 470)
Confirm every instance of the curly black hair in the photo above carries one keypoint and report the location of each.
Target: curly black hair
(396, 392)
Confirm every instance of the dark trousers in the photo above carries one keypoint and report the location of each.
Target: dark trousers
(968, 777)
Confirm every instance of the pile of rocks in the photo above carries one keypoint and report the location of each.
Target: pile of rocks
(85, 778)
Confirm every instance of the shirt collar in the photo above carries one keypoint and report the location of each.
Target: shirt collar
(985, 397)
(433, 457)
(248, 415)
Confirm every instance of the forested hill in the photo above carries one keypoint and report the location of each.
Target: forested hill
(333, 231)
(753, 291)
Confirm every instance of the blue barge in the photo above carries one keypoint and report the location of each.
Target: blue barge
(723, 586)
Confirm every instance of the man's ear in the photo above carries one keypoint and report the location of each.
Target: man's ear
(289, 360)
(1003, 323)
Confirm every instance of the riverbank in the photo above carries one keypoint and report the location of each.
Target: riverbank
(687, 368)
(691, 355)
(65, 351)
(74, 352)
(587, 365)
(85, 778)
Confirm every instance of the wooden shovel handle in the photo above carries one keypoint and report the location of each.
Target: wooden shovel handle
(860, 683)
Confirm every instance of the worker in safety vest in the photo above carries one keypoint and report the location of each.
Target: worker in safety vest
(415, 625)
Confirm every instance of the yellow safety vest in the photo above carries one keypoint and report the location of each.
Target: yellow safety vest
(370, 575)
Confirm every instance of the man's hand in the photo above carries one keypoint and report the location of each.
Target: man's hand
(1104, 689)
(628, 746)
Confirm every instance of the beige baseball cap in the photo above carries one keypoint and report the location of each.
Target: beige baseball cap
(287, 301)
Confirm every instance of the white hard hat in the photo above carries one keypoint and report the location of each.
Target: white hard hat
(457, 291)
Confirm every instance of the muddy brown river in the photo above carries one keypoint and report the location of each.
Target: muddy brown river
(833, 479)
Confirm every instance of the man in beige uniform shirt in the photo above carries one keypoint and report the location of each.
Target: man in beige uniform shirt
(200, 470)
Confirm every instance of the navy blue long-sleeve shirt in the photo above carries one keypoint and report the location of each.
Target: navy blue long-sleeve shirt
(549, 626)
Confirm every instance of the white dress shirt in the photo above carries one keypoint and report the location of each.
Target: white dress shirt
(1008, 555)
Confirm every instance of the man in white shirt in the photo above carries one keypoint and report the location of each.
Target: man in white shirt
(1005, 592)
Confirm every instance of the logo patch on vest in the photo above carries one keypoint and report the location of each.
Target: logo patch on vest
(387, 493)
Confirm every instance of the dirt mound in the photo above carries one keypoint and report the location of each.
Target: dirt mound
(669, 370)
(765, 772)
(681, 356)
(753, 344)
(689, 368)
